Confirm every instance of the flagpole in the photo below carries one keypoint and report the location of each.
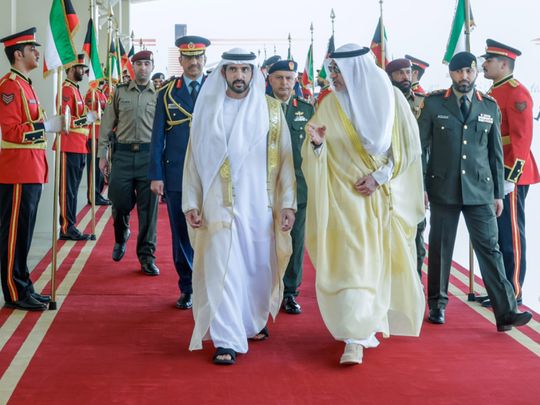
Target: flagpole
(311, 67)
(289, 56)
(467, 25)
(383, 42)
(471, 296)
(91, 186)
(57, 157)
(332, 17)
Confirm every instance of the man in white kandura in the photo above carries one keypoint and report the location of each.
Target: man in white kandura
(365, 198)
(239, 200)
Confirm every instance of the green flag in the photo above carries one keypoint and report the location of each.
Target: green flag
(456, 41)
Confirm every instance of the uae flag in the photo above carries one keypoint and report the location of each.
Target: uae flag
(307, 75)
(95, 72)
(59, 49)
(126, 63)
(456, 41)
(331, 48)
(377, 45)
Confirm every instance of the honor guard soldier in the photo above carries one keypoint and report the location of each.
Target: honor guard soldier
(459, 130)
(23, 169)
(131, 111)
(170, 135)
(297, 111)
(95, 100)
(73, 149)
(400, 72)
(418, 69)
(520, 168)
(325, 89)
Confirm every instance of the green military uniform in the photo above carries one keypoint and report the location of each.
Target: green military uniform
(297, 113)
(131, 113)
(416, 101)
(464, 174)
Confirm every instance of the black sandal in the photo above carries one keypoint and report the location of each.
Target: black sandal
(222, 351)
(258, 337)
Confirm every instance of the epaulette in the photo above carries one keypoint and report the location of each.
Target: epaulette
(166, 84)
(514, 83)
(12, 76)
(122, 85)
(487, 97)
(303, 100)
(436, 93)
(420, 94)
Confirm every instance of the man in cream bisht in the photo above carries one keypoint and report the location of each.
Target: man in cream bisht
(365, 198)
(239, 199)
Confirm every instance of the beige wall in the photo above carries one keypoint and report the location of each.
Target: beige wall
(17, 15)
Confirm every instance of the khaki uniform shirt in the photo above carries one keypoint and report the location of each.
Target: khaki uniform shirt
(131, 112)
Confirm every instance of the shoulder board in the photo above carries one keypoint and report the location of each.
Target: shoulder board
(421, 95)
(12, 76)
(166, 85)
(122, 85)
(303, 100)
(440, 92)
(514, 83)
(486, 96)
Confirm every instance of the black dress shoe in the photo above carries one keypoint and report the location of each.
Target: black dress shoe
(481, 298)
(150, 269)
(486, 303)
(291, 306)
(44, 299)
(27, 304)
(513, 319)
(100, 200)
(184, 302)
(436, 315)
(74, 234)
(119, 249)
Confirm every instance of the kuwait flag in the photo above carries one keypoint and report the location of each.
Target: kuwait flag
(307, 75)
(90, 48)
(59, 49)
(112, 68)
(377, 44)
(331, 48)
(126, 63)
(456, 42)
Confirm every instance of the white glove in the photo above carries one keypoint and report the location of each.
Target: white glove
(509, 187)
(54, 124)
(91, 117)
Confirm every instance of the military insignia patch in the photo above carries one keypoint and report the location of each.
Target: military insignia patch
(65, 98)
(7, 98)
(521, 105)
(191, 45)
(291, 66)
(473, 64)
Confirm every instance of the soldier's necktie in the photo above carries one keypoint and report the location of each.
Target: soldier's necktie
(465, 107)
(194, 91)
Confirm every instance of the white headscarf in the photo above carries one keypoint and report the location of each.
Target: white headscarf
(368, 100)
(208, 138)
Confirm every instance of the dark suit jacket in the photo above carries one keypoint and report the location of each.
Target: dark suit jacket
(463, 158)
(170, 134)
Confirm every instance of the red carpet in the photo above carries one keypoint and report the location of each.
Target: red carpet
(117, 338)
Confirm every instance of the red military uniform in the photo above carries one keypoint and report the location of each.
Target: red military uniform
(23, 170)
(520, 167)
(74, 149)
(23, 135)
(95, 97)
(75, 140)
(516, 106)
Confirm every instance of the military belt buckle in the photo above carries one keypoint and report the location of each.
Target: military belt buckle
(135, 147)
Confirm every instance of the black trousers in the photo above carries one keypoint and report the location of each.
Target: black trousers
(71, 171)
(482, 226)
(99, 181)
(129, 186)
(420, 246)
(293, 274)
(182, 250)
(18, 210)
(512, 237)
